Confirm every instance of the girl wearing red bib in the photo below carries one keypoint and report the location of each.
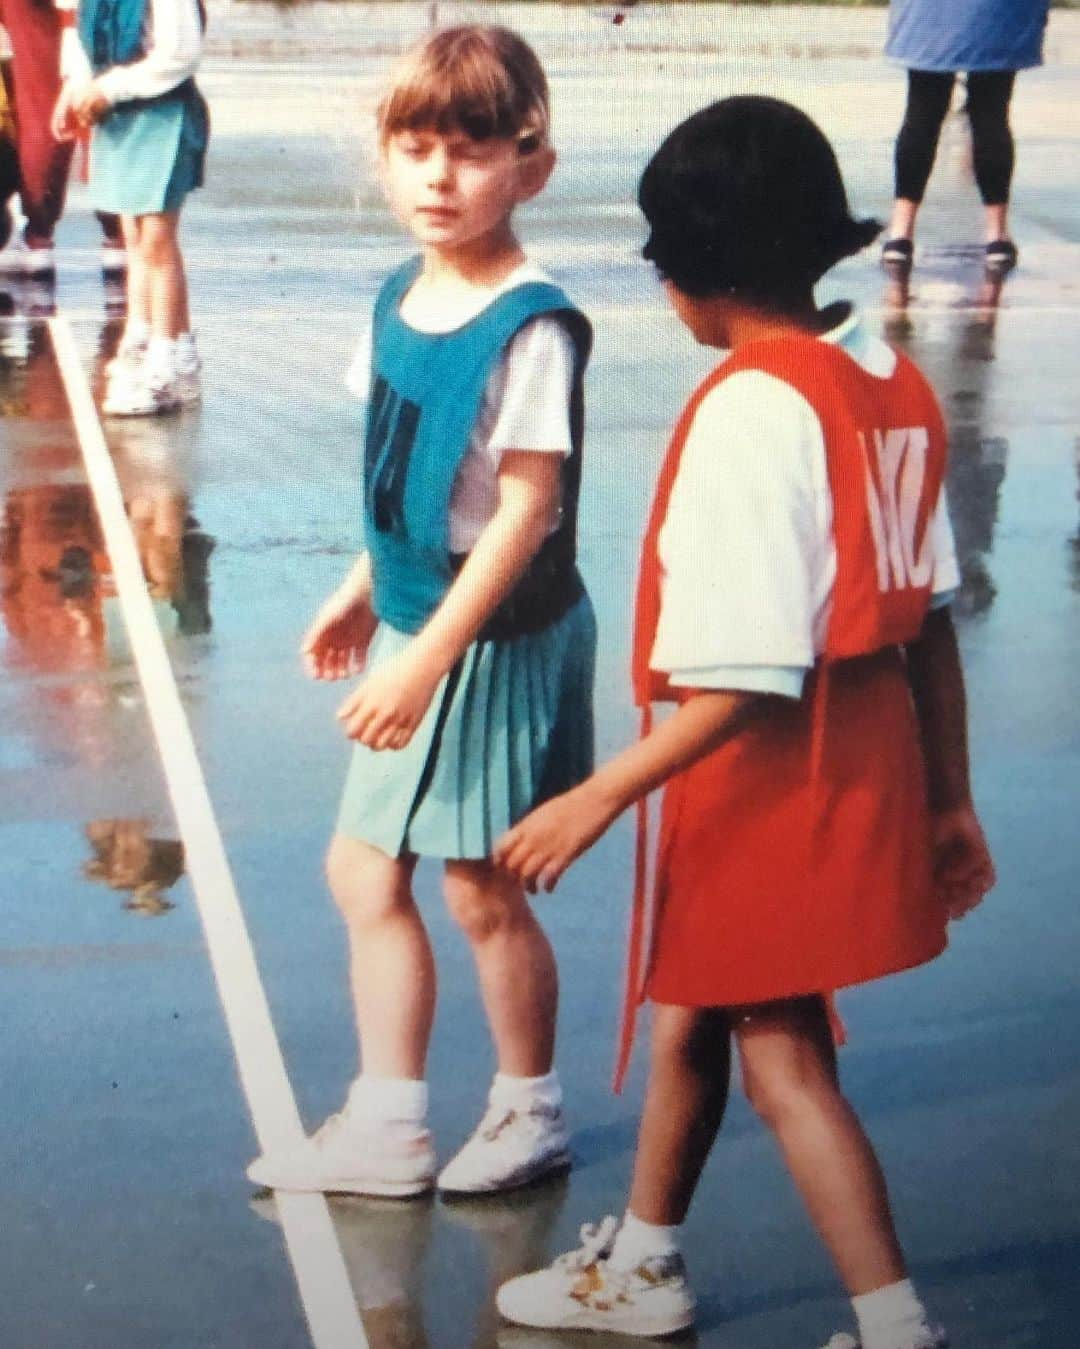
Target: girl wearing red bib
(817, 828)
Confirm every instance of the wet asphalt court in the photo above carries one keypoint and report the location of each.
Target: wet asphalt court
(126, 1217)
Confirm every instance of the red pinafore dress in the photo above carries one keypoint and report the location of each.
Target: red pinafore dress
(795, 858)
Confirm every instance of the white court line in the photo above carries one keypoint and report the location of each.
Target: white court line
(312, 1243)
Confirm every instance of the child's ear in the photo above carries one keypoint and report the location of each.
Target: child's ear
(534, 171)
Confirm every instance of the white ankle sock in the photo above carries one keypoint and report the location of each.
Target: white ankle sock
(136, 333)
(637, 1241)
(160, 355)
(892, 1317)
(387, 1100)
(522, 1093)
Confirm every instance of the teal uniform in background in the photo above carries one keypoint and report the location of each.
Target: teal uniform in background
(147, 153)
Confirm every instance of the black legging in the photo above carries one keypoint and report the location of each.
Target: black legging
(929, 94)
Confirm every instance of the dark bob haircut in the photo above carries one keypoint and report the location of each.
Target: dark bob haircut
(745, 198)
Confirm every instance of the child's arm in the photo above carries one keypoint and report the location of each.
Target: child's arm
(335, 646)
(385, 710)
(176, 45)
(963, 867)
(540, 848)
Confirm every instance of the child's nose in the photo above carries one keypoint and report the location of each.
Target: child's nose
(440, 167)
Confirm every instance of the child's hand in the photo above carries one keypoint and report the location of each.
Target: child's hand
(64, 125)
(89, 104)
(540, 847)
(336, 644)
(388, 706)
(963, 867)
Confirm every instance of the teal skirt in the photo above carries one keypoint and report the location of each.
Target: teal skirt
(509, 727)
(145, 157)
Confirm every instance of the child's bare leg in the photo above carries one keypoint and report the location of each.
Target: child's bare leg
(685, 1100)
(392, 971)
(514, 963)
(789, 1071)
(522, 1136)
(138, 281)
(166, 280)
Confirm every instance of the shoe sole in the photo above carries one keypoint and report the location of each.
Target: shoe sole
(614, 1325)
(401, 1189)
(557, 1165)
(163, 411)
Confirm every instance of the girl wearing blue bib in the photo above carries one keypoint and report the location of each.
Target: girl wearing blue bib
(131, 77)
(476, 700)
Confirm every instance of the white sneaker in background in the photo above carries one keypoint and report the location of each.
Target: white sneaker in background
(353, 1155)
(581, 1291)
(511, 1147)
(144, 393)
(934, 1338)
(19, 259)
(128, 360)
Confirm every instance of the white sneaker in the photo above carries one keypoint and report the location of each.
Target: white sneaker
(351, 1156)
(935, 1338)
(128, 360)
(510, 1148)
(19, 259)
(581, 1291)
(143, 393)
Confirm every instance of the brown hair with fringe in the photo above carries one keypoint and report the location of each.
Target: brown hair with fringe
(480, 79)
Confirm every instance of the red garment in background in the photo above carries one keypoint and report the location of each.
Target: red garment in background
(34, 29)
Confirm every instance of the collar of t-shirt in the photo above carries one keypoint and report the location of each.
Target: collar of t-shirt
(358, 375)
(871, 353)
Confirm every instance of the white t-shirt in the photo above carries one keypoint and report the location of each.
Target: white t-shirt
(526, 404)
(747, 553)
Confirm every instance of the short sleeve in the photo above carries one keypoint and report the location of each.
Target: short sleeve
(743, 548)
(358, 374)
(527, 400)
(946, 578)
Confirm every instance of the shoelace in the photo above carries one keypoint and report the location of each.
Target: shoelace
(596, 1240)
(495, 1120)
(500, 1117)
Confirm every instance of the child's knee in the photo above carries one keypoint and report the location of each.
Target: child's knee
(158, 245)
(481, 901)
(786, 1085)
(366, 884)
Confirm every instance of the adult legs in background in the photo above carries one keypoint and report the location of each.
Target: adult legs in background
(989, 96)
(928, 97)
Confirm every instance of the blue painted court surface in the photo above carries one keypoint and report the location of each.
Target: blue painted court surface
(126, 1218)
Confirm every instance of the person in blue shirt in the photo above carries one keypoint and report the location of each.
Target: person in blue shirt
(476, 701)
(990, 40)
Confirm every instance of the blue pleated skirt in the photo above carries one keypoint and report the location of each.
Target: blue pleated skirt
(508, 728)
(145, 157)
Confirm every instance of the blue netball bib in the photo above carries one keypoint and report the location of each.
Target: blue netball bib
(426, 393)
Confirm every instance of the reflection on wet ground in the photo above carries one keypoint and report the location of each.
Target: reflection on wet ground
(243, 514)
